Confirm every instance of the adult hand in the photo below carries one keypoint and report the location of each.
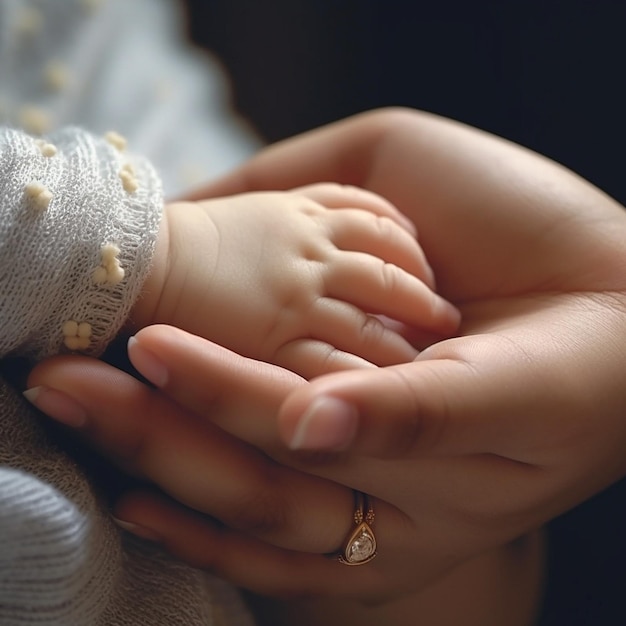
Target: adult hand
(270, 526)
(484, 437)
(534, 257)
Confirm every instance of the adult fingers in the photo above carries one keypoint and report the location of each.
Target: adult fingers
(389, 407)
(242, 559)
(342, 152)
(189, 458)
(243, 397)
(463, 396)
(453, 181)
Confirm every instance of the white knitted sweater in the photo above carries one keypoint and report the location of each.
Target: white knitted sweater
(78, 221)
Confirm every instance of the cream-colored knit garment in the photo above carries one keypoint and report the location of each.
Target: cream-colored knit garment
(62, 562)
(121, 65)
(50, 254)
(76, 240)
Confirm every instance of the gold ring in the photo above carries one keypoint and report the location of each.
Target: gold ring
(360, 547)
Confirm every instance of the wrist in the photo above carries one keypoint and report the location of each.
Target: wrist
(144, 311)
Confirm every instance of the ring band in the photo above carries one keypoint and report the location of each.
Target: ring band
(360, 547)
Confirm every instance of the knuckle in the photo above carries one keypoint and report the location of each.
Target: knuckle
(330, 357)
(339, 189)
(394, 235)
(390, 275)
(312, 208)
(386, 228)
(372, 329)
(344, 194)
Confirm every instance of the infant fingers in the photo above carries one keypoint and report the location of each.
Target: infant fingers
(383, 288)
(336, 327)
(310, 357)
(358, 231)
(337, 196)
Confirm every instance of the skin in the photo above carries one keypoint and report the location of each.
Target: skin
(478, 441)
(294, 278)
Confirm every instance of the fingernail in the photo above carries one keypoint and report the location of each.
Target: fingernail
(136, 529)
(328, 424)
(146, 363)
(57, 405)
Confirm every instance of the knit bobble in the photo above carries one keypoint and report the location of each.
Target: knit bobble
(76, 336)
(34, 120)
(109, 252)
(56, 76)
(40, 196)
(116, 140)
(127, 176)
(29, 22)
(47, 149)
(110, 271)
(90, 6)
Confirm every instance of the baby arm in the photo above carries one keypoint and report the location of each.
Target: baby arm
(294, 278)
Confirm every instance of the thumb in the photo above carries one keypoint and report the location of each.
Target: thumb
(474, 400)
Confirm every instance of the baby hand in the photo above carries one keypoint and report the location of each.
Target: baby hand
(294, 278)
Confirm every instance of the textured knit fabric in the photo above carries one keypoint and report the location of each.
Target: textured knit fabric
(70, 201)
(62, 562)
(48, 257)
(120, 65)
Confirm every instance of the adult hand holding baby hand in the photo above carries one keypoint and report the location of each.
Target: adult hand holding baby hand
(484, 437)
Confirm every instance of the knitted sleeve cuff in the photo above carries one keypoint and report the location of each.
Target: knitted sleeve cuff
(78, 224)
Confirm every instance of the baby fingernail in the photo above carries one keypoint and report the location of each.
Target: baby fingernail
(328, 424)
(146, 363)
(136, 529)
(57, 405)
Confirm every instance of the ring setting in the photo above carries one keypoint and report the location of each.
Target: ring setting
(360, 546)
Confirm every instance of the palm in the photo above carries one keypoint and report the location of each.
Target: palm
(519, 417)
(533, 257)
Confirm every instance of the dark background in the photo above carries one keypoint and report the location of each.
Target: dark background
(547, 75)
